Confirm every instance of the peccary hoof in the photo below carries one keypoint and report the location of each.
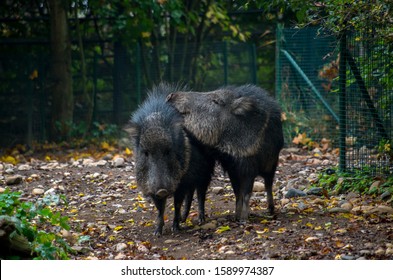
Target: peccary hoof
(158, 232)
(162, 193)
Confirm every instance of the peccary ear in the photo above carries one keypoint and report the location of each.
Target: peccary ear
(242, 105)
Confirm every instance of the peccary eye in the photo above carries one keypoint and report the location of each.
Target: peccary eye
(146, 153)
(218, 102)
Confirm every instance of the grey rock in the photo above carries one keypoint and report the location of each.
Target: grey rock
(294, 193)
(118, 162)
(13, 180)
(315, 191)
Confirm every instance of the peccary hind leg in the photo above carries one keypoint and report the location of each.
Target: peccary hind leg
(269, 192)
(243, 190)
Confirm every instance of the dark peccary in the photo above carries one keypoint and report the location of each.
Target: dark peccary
(167, 162)
(243, 125)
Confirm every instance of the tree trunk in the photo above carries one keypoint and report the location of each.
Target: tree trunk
(61, 76)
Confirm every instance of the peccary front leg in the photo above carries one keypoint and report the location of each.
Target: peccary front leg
(160, 205)
(178, 201)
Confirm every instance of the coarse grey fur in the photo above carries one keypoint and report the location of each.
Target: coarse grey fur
(167, 163)
(243, 126)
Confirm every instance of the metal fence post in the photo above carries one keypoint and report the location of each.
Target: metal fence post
(342, 101)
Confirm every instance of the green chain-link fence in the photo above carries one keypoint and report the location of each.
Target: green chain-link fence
(352, 108)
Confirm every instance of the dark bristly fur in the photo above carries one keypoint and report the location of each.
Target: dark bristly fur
(167, 162)
(243, 126)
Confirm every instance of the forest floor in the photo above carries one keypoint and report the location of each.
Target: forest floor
(104, 203)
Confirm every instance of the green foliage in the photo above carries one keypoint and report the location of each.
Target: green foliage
(34, 218)
(359, 181)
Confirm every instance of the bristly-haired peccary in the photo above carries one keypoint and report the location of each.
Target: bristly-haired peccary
(243, 125)
(167, 162)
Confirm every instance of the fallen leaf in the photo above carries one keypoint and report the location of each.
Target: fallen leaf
(222, 229)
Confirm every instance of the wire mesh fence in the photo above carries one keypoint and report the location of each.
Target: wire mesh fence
(369, 103)
(116, 80)
(338, 90)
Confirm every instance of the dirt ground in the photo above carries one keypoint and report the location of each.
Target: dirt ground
(104, 203)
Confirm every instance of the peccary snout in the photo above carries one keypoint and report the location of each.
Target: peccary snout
(162, 193)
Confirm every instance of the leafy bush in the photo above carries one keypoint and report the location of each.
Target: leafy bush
(31, 220)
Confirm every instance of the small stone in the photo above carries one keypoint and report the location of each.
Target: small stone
(101, 162)
(382, 209)
(294, 193)
(87, 161)
(375, 184)
(352, 195)
(315, 191)
(347, 206)
(120, 247)
(38, 191)
(365, 252)
(2, 190)
(364, 209)
(389, 251)
(118, 162)
(338, 210)
(211, 225)
(13, 180)
(386, 195)
(380, 252)
(107, 157)
(120, 256)
(51, 191)
(217, 190)
(258, 187)
(24, 167)
(312, 239)
(230, 252)
(285, 201)
(170, 241)
(9, 170)
(347, 257)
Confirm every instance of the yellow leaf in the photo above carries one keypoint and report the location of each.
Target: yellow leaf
(310, 225)
(118, 228)
(105, 145)
(265, 221)
(112, 238)
(47, 158)
(33, 74)
(318, 228)
(9, 159)
(127, 151)
(280, 230)
(265, 230)
(221, 229)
